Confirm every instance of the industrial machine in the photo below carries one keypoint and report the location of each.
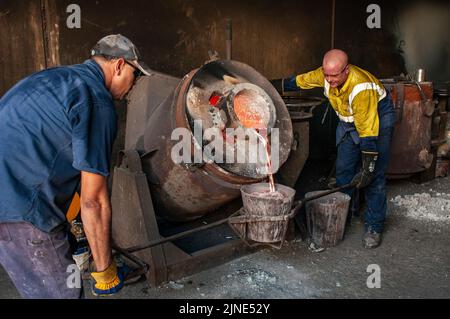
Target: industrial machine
(172, 194)
(175, 191)
(419, 131)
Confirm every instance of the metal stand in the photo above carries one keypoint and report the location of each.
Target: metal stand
(136, 234)
(240, 222)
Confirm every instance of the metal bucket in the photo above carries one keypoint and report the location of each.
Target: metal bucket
(266, 216)
(410, 150)
(326, 218)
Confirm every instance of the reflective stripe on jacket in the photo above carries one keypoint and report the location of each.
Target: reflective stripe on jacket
(355, 102)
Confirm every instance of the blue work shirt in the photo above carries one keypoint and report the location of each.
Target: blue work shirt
(53, 124)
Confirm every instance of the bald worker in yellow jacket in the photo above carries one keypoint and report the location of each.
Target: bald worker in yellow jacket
(366, 120)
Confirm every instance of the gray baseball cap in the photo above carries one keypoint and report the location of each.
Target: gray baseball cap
(116, 45)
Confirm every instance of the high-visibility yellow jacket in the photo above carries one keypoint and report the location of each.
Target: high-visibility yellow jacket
(355, 102)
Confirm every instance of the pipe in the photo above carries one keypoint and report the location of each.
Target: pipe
(299, 204)
(143, 267)
(175, 237)
(44, 33)
(131, 257)
(141, 270)
(333, 18)
(229, 39)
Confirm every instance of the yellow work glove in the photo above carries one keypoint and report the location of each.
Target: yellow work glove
(109, 281)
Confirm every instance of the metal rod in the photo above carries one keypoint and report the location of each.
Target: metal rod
(422, 94)
(143, 267)
(177, 236)
(131, 257)
(299, 204)
(331, 191)
(229, 39)
(333, 18)
(44, 32)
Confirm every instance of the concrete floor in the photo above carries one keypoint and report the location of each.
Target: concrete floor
(414, 261)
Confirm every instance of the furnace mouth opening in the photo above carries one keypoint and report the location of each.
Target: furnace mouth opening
(240, 115)
(242, 105)
(251, 110)
(239, 119)
(251, 107)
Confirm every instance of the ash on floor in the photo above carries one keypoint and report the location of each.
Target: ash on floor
(425, 206)
(413, 260)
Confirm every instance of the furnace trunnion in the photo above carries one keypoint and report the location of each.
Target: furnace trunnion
(151, 190)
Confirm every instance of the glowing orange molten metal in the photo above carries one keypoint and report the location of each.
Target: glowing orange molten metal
(251, 110)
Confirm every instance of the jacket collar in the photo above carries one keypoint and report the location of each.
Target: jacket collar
(96, 70)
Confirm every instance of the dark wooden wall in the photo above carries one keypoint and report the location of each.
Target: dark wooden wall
(174, 36)
(21, 41)
(278, 38)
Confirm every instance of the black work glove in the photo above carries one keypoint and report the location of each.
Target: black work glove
(365, 175)
(278, 85)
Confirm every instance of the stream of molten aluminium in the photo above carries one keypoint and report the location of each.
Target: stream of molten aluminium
(252, 119)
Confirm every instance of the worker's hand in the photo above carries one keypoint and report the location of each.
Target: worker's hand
(278, 85)
(364, 177)
(109, 281)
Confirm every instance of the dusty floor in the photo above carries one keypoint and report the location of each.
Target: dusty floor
(414, 260)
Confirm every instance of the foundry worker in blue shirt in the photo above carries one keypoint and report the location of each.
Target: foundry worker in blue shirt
(57, 127)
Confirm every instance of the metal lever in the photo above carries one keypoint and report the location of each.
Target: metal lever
(143, 267)
(299, 204)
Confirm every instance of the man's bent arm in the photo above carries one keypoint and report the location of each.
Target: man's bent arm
(96, 217)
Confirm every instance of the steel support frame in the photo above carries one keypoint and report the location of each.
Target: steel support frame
(134, 223)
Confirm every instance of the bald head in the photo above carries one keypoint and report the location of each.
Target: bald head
(334, 60)
(334, 66)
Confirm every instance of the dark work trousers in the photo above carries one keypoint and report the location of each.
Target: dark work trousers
(39, 264)
(348, 163)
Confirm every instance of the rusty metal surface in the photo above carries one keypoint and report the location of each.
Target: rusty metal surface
(292, 168)
(253, 93)
(257, 199)
(133, 221)
(326, 218)
(442, 167)
(300, 110)
(440, 117)
(411, 143)
(181, 192)
(207, 258)
(261, 230)
(147, 94)
(266, 215)
(177, 236)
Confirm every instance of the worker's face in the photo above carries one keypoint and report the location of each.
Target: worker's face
(122, 79)
(336, 76)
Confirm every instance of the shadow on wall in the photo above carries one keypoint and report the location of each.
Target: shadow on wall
(424, 39)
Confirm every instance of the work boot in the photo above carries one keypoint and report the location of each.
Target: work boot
(371, 239)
